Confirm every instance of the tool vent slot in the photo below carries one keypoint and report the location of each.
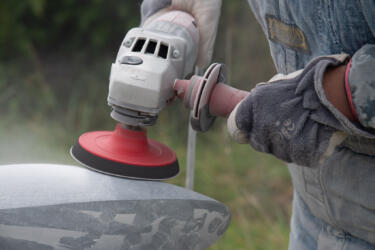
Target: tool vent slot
(163, 51)
(139, 45)
(151, 46)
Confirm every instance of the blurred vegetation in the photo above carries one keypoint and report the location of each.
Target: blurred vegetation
(55, 58)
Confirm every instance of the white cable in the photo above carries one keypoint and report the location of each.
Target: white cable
(190, 154)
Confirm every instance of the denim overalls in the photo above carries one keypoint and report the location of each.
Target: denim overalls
(334, 205)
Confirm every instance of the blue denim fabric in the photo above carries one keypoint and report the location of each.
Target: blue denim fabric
(310, 233)
(335, 208)
(330, 26)
(338, 194)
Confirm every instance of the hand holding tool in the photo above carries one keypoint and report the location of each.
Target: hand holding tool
(141, 84)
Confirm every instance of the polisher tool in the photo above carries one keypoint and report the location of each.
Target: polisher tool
(145, 78)
(149, 60)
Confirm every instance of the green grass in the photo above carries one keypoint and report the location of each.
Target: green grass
(256, 187)
(47, 100)
(42, 117)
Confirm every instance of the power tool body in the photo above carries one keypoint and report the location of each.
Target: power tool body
(144, 78)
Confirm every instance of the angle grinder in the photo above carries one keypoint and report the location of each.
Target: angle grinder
(147, 74)
(149, 60)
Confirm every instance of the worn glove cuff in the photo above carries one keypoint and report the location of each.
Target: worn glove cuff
(237, 134)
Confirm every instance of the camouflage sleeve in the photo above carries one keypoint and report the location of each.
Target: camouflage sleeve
(360, 85)
(149, 7)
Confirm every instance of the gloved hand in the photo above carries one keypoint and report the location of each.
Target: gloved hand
(291, 118)
(179, 24)
(206, 14)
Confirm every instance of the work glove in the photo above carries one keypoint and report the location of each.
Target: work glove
(206, 14)
(291, 118)
(178, 24)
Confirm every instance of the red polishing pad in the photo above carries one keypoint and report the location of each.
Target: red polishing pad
(127, 153)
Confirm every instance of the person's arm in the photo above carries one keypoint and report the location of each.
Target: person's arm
(297, 117)
(351, 88)
(334, 88)
(360, 85)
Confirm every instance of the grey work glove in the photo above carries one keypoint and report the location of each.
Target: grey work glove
(291, 117)
(206, 14)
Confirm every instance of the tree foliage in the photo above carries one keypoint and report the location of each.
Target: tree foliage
(40, 26)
